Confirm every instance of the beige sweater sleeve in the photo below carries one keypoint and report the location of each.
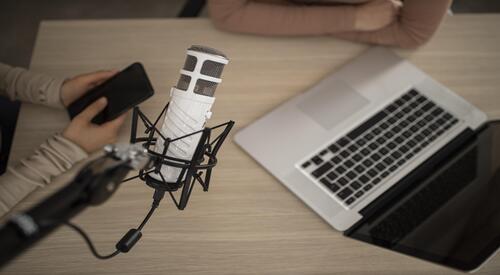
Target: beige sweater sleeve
(53, 157)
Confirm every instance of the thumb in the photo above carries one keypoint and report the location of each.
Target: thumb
(93, 109)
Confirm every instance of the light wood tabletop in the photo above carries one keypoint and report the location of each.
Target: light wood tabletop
(248, 223)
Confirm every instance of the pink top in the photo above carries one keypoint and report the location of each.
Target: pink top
(415, 25)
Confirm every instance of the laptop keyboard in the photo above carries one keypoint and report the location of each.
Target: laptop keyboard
(352, 166)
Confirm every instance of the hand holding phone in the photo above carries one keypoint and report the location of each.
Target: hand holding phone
(123, 91)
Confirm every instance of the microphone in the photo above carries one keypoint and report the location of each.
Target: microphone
(190, 103)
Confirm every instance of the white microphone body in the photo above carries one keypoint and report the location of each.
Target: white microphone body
(189, 108)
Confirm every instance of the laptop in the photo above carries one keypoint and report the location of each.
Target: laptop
(366, 139)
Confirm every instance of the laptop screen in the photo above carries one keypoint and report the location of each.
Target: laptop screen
(452, 216)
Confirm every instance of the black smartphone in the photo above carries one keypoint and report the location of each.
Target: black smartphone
(124, 90)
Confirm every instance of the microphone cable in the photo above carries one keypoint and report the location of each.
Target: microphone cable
(128, 240)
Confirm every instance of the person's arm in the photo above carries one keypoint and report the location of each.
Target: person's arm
(60, 152)
(280, 19)
(418, 21)
(23, 85)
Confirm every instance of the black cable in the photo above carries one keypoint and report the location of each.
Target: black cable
(89, 242)
(126, 243)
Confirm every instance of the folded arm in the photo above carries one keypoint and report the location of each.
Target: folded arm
(417, 22)
(280, 19)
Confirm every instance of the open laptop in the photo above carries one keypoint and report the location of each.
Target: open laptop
(352, 145)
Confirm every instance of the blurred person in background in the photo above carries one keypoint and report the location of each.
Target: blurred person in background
(407, 24)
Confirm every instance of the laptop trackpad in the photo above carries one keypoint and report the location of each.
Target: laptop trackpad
(331, 102)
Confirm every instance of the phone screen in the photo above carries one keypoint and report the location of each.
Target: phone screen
(125, 90)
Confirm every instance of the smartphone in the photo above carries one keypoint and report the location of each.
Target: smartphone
(124, 90)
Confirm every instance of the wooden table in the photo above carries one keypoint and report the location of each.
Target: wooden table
(248, 223)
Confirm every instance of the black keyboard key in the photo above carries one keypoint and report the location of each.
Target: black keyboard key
(359, 168)
(396, 129)
(447, 116)
(436, 112)
(407, 134)
(380, 166)
(388, 134)
(348, 163)
(411, 118)
(392, 120)
(345, 153)
(384, 174)
(342, 181)
(380, 140)
(421, 123)
(367, 187)
(369, 137)
(384, 126)
(403, 124)
(322, 153)
(353, 147)
(373, 145)
(406, 97)
(351, 175)
(340, 169)
(367, 163)
(336, 159)
(344, 193)
(364, 179)
(332, 176)
(399, 139)
(361, 142)
(325, 181)
(355, 185)
(396, 154)
(376, 181)
(317, 160)
(388, 160)
(322, 169)
(375, 157)
(359, 194)
(391, 108)
(407, 109)
(365, 151)
(411, 143)
(421, 99)
(372, 172)
(428, 106)
(414, 128)
(366, 125)
(391, 145)
(349, 201)
(306, 164)
(403, 149)
(334, 148)
(334, 187)
(413, 93)
(401, 162)
(357, 157)
(393, 168)
(399, 102)
(419, 138)
(383, 151)
(377, 131)
(342, 142)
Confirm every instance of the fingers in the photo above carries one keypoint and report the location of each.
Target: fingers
(91, 80)
(93, 109)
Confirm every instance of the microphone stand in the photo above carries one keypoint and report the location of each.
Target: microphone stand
(93, 185)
